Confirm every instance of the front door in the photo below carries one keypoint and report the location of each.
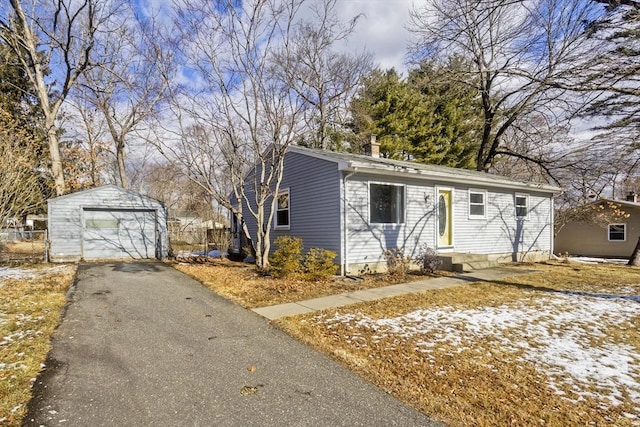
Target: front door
(445, 219)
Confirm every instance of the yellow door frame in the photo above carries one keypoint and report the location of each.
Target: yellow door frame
(444, 210)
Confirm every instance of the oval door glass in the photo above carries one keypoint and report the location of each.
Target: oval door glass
(442, 215)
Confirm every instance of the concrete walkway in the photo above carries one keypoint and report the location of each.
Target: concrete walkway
(303, 307)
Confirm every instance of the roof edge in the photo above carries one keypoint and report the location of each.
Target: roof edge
(117, 187)
(448, 173)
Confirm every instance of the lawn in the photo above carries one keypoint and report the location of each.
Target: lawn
(555, 348)
(31, 300)
(241, 283)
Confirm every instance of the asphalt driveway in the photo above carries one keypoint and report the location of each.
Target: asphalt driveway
(143, 344)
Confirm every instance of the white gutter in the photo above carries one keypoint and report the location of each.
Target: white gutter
(344, 265)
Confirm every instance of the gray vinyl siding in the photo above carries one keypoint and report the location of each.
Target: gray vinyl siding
(314, 195)
(367, 242)
(500, 232)
(65, 218)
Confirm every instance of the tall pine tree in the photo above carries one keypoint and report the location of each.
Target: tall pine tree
(421, 118)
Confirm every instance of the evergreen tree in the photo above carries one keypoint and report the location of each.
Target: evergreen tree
(389, 108)
(16, 95)
(456, 125)
(420, 118)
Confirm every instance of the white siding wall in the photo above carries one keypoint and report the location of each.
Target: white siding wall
(65, 217)
(499, 233)
(367, 242)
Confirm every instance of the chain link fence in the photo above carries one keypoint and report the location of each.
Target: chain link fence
(19, 245)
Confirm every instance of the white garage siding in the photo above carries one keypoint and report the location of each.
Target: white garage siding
(106, 223)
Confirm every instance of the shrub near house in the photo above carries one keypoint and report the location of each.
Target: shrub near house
(317, 264)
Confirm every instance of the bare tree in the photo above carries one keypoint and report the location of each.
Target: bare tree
(20, 191)
(130, 80)
(85, 147)
(516, 48)
(54, 41)
(239, 116)
(323, 77)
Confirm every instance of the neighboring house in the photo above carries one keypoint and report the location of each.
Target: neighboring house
(614, 239)
(106, 223)
(359, 206)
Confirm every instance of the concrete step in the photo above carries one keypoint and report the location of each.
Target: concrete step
(476, 265)
(458, 261)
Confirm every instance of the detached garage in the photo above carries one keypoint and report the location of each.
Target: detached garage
(106, 223)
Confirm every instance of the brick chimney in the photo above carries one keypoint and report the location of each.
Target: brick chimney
(632, 197)
(372, 149)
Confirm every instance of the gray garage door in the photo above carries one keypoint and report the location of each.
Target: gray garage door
(118, 233)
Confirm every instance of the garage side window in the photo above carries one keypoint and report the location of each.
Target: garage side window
(102, 224)
(386, 204)
(617, 232)
(282, 210)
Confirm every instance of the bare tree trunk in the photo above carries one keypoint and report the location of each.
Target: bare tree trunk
(57, 36)
(56, 159)
(121, 169)
(635, 256)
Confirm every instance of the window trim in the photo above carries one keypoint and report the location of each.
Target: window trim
(277, 226)
(484, 203)
(515, 205)
(404, 200)
(624, 225)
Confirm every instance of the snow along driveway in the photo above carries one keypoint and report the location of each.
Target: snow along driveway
(564, 334)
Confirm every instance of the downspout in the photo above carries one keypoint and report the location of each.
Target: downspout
(345, 252)
(553, 228)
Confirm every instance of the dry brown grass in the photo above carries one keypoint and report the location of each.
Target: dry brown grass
(243, 285)
(479, 382)
(22, 252)
(29, 313)
(26, 247)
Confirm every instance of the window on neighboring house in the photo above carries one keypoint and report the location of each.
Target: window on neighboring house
(386, 204)
(477, 203)
(522, 205)
(282, 210)
(618, 232)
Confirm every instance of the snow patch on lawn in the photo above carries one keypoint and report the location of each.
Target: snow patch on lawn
(564, 335)
(21, 273)
(592, 260)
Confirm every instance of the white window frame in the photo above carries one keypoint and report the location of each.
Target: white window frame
(276, 225)
(515, 203)
(404, 200)
(484, 204)
(624, 225)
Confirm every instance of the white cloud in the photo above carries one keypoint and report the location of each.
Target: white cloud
(381, 30)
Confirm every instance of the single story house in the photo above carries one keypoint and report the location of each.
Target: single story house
(615, 238)
(106, 222)
(359, 206)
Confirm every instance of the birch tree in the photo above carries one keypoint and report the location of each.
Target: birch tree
(239, 115)
(54, 41)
